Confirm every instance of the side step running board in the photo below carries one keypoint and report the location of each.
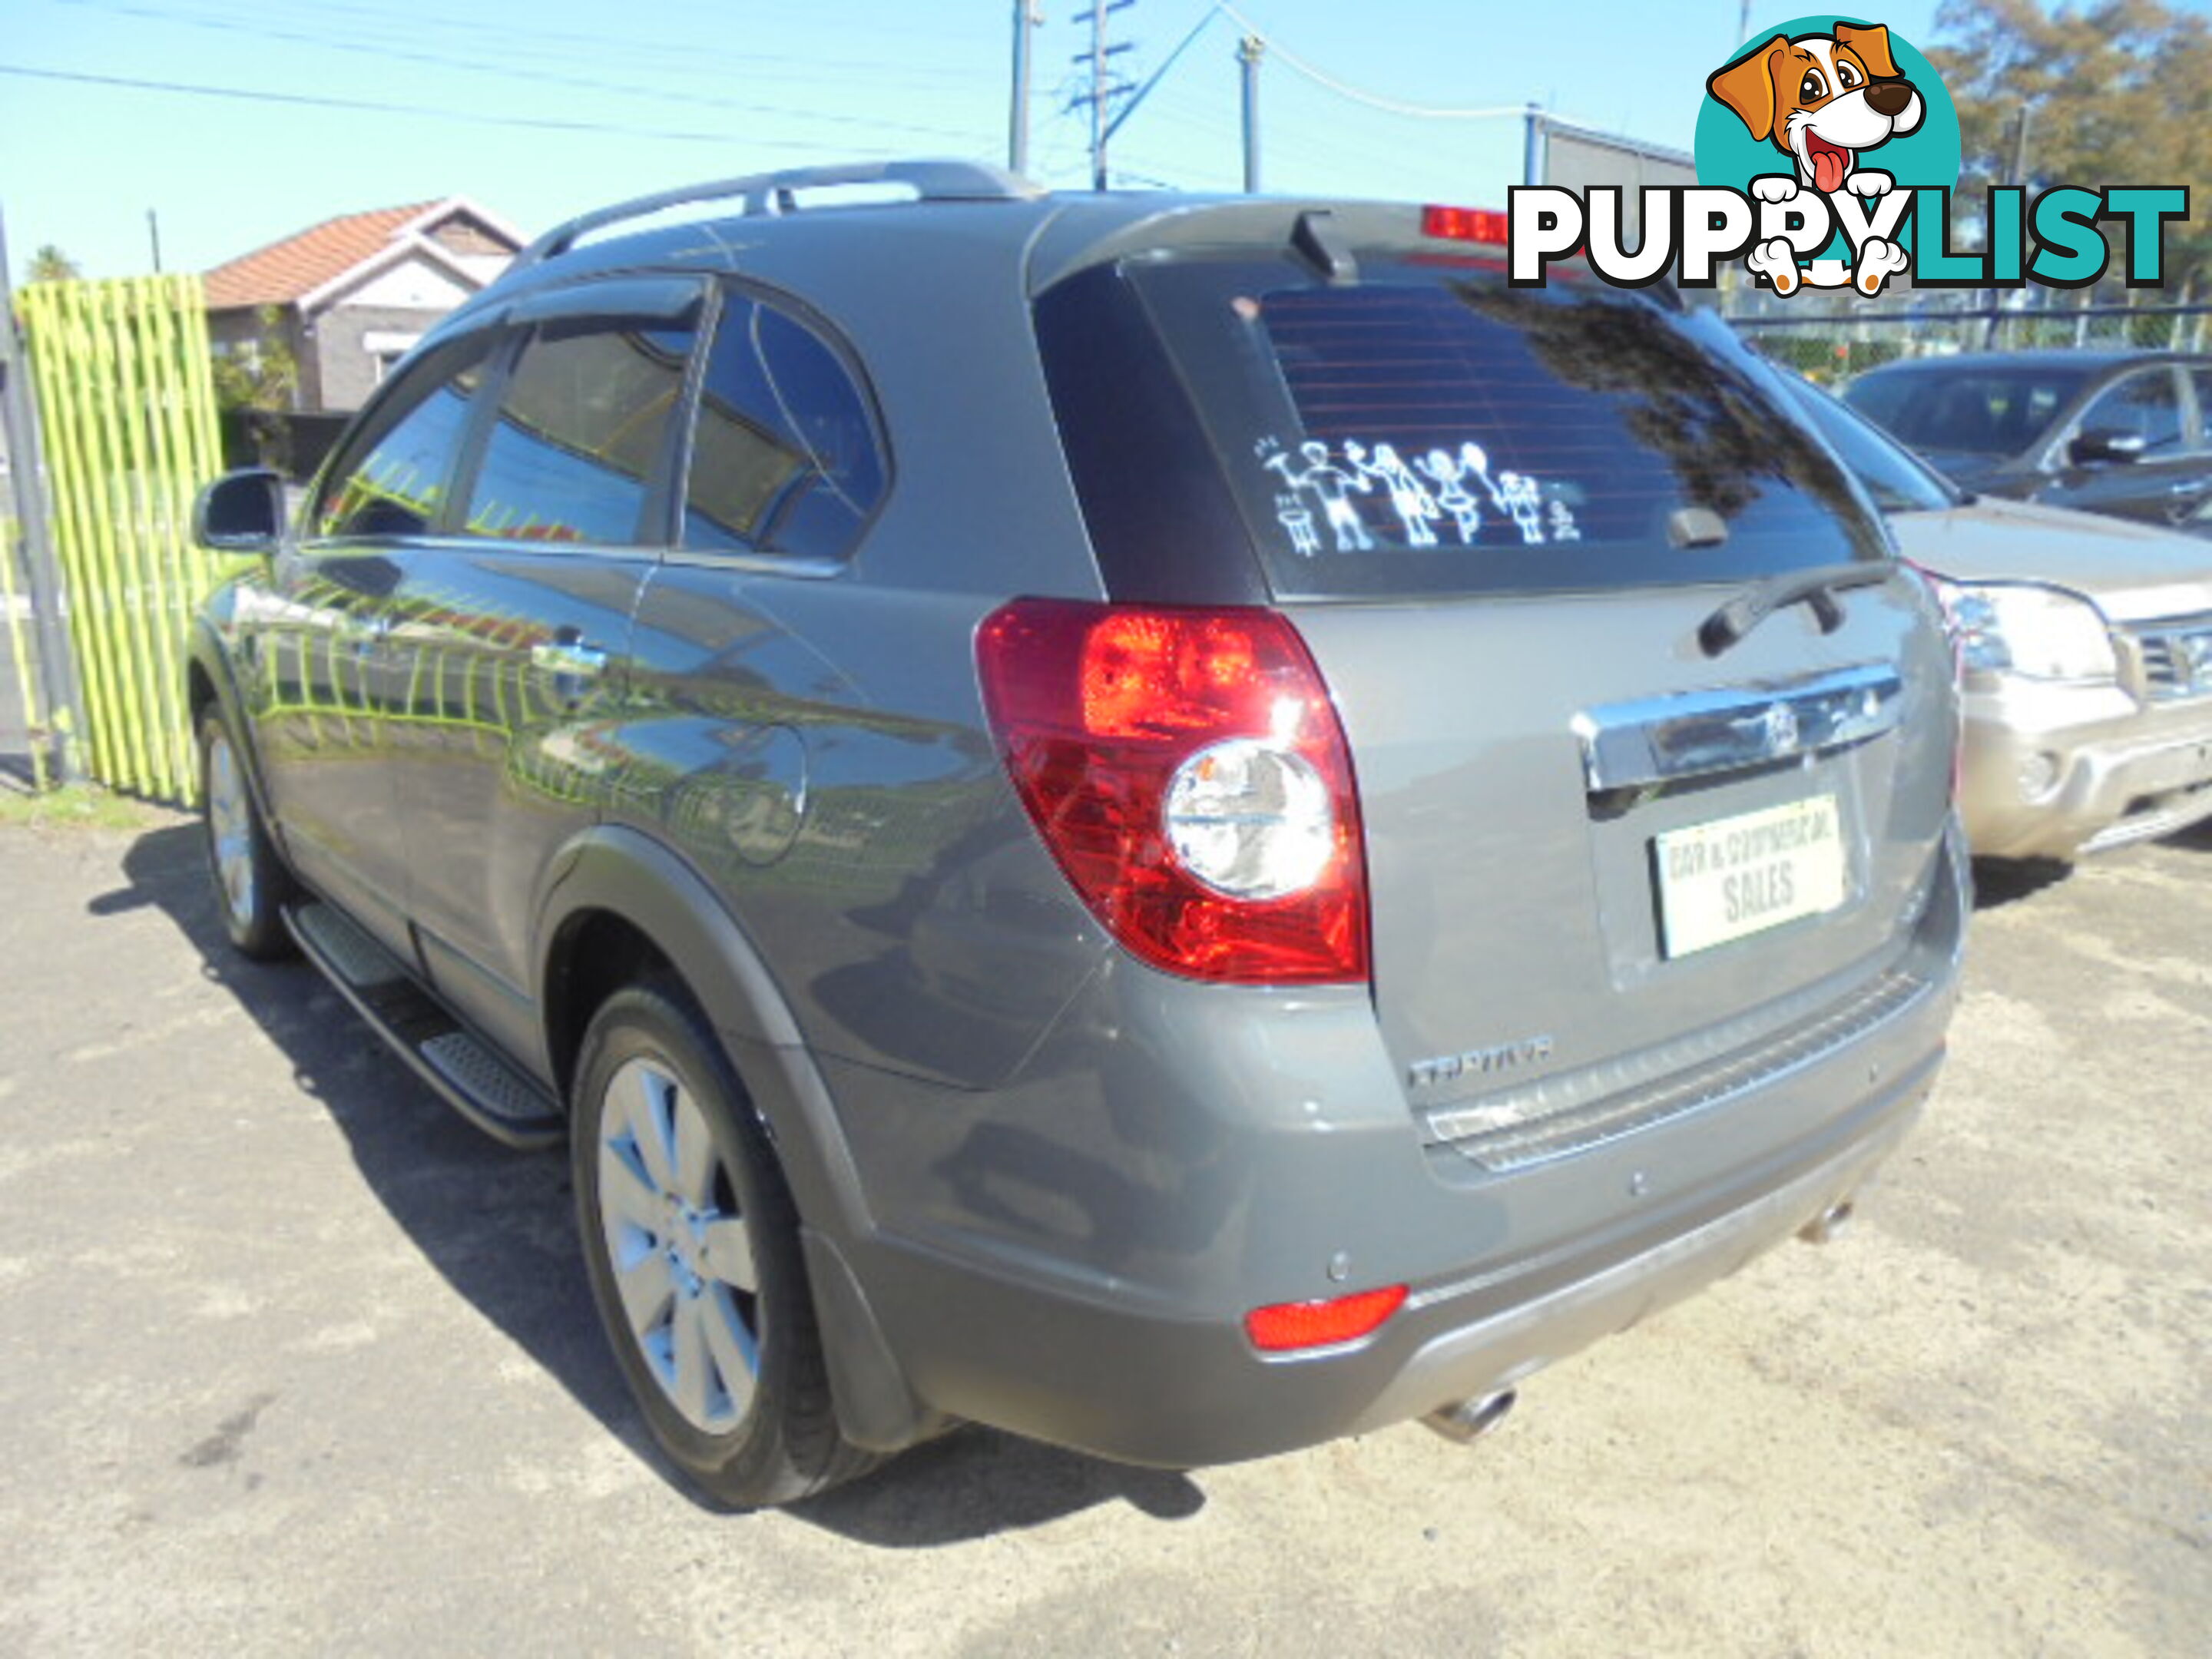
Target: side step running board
(474, 1081)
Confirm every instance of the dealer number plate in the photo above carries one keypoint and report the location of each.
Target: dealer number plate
(1735, 877)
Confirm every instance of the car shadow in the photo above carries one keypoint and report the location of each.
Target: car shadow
(2000, 882)
(974, 1483)
(2197, 838)
(500, 1227)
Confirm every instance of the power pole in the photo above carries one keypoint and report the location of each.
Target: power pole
(1104, 88)
(26, 465)
(2018, 176)
(1028, 14)
(1250, 52)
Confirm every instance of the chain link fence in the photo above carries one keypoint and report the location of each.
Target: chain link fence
(1831, 345)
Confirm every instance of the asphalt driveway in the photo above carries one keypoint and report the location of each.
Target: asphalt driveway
(291, 1360)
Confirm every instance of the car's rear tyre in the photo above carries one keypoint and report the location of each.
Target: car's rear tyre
(691, 1242)
(250, 882)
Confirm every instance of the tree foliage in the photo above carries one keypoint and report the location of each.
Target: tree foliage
(2118, 93)
(254, 384)
(51, 264)
(262, 374)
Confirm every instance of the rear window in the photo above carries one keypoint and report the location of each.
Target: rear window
(1430, 429)
(1965, 412)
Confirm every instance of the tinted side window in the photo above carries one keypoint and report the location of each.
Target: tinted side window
(2147, 404)
(580, 427)
(785, 458)
(393, 475)
(1966, 412)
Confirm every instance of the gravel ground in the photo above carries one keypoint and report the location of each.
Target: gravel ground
(291, 1360)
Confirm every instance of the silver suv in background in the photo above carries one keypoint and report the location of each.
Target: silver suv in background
(2086, 643)
(1182, 826)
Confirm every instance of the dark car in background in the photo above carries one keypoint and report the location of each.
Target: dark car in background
(2123, 433)
(1179, 825)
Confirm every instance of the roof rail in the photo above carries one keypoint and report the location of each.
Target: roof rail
(775, 193)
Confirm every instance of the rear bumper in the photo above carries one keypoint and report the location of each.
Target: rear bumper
(1075, 1266)
(2060, 771)
(1469, 1360)
(1181, 1391)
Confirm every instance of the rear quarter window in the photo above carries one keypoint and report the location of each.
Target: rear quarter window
(785, 458)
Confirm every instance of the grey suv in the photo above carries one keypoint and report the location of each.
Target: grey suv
(1182, 826)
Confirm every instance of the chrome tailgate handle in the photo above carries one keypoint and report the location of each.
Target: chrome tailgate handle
(1627, 745)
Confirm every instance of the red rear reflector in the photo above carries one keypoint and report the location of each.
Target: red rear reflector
(1460, 224)
(1322, 1324)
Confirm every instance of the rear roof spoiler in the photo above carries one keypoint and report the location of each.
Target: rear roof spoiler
(777, 193)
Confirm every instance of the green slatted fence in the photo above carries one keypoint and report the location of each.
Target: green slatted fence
(122, 371)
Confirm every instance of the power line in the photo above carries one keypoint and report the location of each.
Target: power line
(542, 124)
(544, 76)
(1358, 95)
(379, 21)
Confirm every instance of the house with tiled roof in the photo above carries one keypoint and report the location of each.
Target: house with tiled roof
(348, 296)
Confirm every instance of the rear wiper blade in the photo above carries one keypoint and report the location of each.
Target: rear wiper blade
(1818, 588)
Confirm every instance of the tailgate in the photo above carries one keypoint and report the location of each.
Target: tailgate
(1596, 856)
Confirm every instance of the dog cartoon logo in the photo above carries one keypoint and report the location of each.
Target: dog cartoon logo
(1824, 98)
(1821, 99)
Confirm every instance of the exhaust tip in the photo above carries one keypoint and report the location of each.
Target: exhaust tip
(1466, 1421)
(1825, 1226)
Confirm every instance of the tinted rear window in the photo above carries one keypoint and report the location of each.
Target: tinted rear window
(1430, 430)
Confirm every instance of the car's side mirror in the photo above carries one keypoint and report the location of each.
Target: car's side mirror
(241, 511)
(2102, 447)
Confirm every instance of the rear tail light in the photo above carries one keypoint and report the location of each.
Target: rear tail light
(1187, 770)
(1289, 1325)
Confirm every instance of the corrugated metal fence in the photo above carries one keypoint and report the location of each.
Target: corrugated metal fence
(127, 404)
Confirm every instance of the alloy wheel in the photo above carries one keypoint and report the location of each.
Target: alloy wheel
(683, 1260)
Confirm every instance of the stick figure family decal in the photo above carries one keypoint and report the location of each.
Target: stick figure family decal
(1436, 486)
(1827, 151)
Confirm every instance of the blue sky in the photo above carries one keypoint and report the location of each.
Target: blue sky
(675, 91)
